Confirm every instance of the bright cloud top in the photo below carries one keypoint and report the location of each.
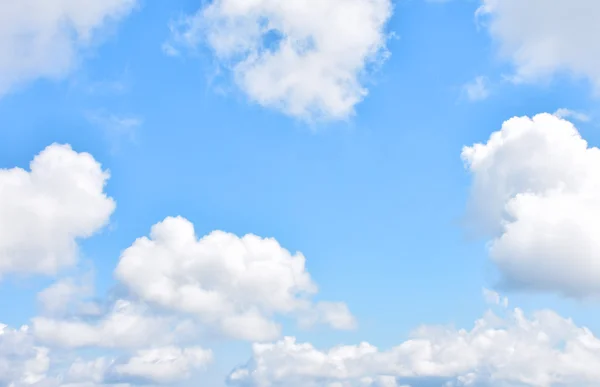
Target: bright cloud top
(305, 58)
(45, 210)
(229, 283)
(515, 351)
(536, 189)
(543, 40)
(41, 38)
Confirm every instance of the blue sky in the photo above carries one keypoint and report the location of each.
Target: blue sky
(373, 192)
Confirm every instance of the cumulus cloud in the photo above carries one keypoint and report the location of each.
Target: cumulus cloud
(21, 361)
(235, 285)
(47, 209)
(305, 58)
(536, 190)
(512, 351)
(543, 40)
(42, 38)
(24, 362)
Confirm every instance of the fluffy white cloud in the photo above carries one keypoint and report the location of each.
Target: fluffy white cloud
(165, 364)
(305, 58)
(543, 40)
(41, 38)
(513, 351)
(45, 210)
(127, 325)
(21, 361)
(536, 189)
(232, 284)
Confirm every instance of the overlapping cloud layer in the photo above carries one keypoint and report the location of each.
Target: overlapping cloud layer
(544, 350)
(176, 287)
(535, 183)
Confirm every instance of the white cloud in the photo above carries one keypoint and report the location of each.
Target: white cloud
(165, 364)
(46, 210)
(305, 58)
(41, 38)
(235, 285)
(69, 295)
(21, 361)
(543, 40)
(493, 298)
(159, 365)
(536, 190)
(335, 314)
(567, 113)
(514, 351)
(87, 372)
(477, 89)
(126, 325)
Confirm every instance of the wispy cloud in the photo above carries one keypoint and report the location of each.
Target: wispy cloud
(115, 127)
(568, 113)
(477, 89)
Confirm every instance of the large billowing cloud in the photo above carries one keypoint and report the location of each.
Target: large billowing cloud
(45, 210)
(234, 285)
(305, 58)
(542, 39)
(513, 351)
(41, 38)
(536, 189)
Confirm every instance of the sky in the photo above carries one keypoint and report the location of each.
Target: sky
(300, 193)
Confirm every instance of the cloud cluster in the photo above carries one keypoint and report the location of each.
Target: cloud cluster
(229, 283)
(306, 59)
(24, 362)
(513, 351)
(173, 286)
(536, 190)
(542, 40)
(47, 209)
(41, 38)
